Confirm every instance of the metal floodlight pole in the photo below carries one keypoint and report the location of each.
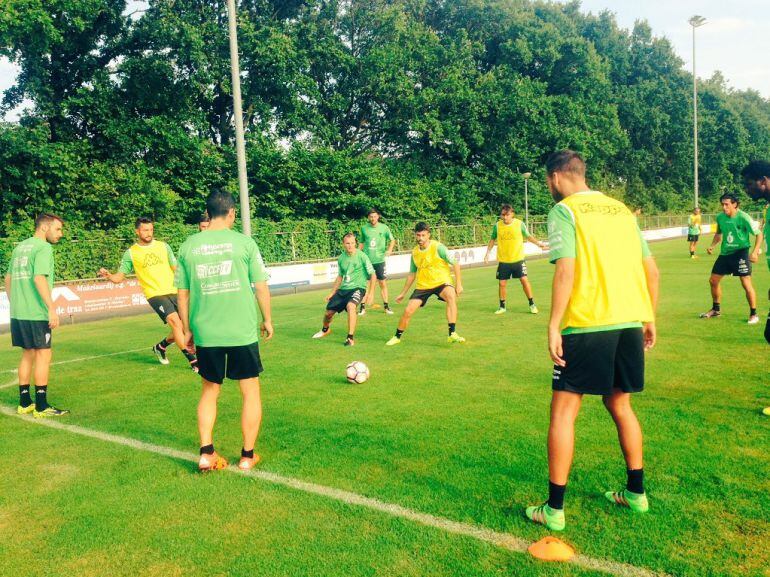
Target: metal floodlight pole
(696, 21)
(526, 176)
(240, 145)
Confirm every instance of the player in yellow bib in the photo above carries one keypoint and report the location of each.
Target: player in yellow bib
(431, 266)
(510, 234)
(693, 230)
(605, 289)
(154, 264)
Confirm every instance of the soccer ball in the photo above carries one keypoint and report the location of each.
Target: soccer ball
(357, 372)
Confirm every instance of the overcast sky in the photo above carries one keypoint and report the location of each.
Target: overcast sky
(734, 40)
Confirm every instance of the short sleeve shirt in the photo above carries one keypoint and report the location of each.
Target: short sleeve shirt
(736, 232)
(32, 257)
(218, 267)
(355, 270)
(375, 240)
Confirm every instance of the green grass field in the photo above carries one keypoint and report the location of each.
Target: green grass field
(453, 431)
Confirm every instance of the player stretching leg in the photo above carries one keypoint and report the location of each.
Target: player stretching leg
(154, 263)
(356, 273)
(734, 229)
(605, 288)
(510, 233)
(430, 266)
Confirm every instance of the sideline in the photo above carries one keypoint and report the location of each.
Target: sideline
(480, 533)
(10, 371)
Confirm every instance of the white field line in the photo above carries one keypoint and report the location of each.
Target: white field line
(79, 359)
(480, 533)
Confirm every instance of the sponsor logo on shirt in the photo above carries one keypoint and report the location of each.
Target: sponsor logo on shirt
(223, 268)
(213, 249)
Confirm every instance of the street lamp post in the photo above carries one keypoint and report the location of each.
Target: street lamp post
(527, 176)
(240, 145)
(696, 21)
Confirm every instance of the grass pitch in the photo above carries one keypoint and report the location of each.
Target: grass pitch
(454, 431)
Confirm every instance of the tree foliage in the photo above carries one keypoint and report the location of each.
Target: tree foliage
(419, 107)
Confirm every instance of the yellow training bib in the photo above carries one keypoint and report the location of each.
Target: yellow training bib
(432, 270)
(153, 269)
(610, 285)
(510, 241)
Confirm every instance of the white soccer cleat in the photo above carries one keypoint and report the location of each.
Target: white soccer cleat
(500, 311)
(753, 319)
(321, 334)
(362, 312)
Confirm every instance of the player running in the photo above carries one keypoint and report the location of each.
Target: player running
(355, 275)
(756, 181)
(693, 230)
(154, 263)
(430, 266)
(377, 242)
(510, 233)
(217, 270)
(605, 289)
(734, 230)
(28, 286)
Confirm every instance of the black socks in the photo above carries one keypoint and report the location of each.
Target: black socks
(752, 312)
(162, 345)
(399, 332)
(41, 398)
(715, 307)
(387, 307)
(325, 329)
(207, 450)
(635, 481)
(767, 329)
(531, 301)
(502, 303)
(350, 336)
(25, 399)
(451, 328)
(247, 454)
(556, 495)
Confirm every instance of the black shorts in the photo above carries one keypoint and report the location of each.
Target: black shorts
(693, 237)
(379, 270)
(424, 294)
(602, 362)
(30, 334)
(340, 299)
(506, 270)
(164, 305)
(214, 363)
(736, 264)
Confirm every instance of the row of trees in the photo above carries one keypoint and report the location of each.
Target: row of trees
(420, 107)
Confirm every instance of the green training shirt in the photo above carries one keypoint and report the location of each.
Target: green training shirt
(218, 267)
(375, 240)
(736, 232)
(355, 270)
(562, 241)
(32, 257)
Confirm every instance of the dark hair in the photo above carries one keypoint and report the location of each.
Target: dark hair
(204, 217)
(373, 211)
(421, 227)
(348, 235)
(729, 196)
(756, 170)
(142, 220)
(46, 218)
(506, 208)
(219, 203)
(565, 161)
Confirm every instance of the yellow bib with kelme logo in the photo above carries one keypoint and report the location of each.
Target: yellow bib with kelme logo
(510, 241)
(152, 268)
(610, 285)
(432, 270)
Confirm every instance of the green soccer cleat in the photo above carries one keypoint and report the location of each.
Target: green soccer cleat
(625, 498)
(455, 338)
(533, 309)
(393, 341)
(25, 410)
(50, 411)
(500, 311)
(553, 519)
